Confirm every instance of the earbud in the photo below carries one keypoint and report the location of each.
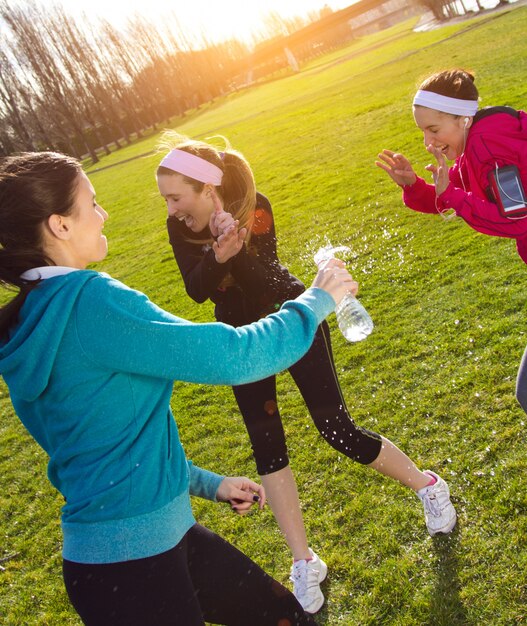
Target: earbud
(467, 120)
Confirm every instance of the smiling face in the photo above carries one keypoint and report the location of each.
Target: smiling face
(86, 222)
(442, 130)
(75, 238)
(184, 202)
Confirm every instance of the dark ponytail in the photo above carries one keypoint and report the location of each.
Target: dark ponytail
(454, 83)
(33, 186)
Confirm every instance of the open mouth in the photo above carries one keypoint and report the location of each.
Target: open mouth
(181, 217)
(184, 218)
(188, 220)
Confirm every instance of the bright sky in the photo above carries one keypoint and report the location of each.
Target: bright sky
(217, 19)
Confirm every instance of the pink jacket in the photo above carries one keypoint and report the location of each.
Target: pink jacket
(495, 137)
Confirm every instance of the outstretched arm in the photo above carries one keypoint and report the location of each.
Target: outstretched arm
(126, 332)
(418, 195)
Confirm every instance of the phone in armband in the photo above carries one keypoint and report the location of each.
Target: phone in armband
(508, 191)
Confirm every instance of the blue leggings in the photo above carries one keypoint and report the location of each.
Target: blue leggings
(316, 378)
(203, 578)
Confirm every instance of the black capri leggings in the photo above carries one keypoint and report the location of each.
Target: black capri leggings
(316, 378)
(203, 578)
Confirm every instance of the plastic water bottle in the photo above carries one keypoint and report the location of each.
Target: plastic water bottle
(353, 320)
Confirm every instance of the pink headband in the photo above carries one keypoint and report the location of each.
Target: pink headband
(192, 166)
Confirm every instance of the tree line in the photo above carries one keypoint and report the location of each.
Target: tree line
(81, 87)
(77, 86)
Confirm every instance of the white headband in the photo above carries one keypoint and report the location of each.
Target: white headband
(192, 166)
(455, 106)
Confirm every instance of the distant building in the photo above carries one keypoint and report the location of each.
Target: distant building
(387, 14)
(332, 30)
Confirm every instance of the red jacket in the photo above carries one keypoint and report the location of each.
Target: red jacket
(498, 135)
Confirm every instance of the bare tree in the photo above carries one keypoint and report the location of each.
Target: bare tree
(77, 86)
(11, 104)
(129, 61)
(39, 60)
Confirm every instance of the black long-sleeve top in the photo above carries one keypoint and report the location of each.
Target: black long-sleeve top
(257, 283)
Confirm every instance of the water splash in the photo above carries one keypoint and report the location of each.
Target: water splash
(329, 252)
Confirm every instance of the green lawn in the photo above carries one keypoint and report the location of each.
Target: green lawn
(437, 375)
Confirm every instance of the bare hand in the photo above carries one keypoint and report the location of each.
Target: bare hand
(229, 243)
(397, 166)
(334, 278)
(241, 493)
(220, 220)
(439, 171)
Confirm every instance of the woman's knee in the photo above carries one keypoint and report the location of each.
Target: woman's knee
(266, 464)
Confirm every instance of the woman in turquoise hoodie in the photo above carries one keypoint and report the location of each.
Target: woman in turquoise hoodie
(90, 366)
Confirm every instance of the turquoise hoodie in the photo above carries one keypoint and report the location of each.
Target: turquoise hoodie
(90, 368)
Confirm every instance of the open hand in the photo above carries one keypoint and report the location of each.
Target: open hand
(397, 166)
(229, 243)
(439, 171)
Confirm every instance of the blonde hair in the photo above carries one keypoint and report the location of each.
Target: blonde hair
(237, 189)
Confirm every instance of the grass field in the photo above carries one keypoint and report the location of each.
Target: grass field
(436, 376)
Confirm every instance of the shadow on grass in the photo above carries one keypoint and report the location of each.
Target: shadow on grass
(446, 606)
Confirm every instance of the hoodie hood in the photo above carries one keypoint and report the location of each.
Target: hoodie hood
(28, 355)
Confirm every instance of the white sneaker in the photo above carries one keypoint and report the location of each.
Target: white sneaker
(306, 577)
(440, 514)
